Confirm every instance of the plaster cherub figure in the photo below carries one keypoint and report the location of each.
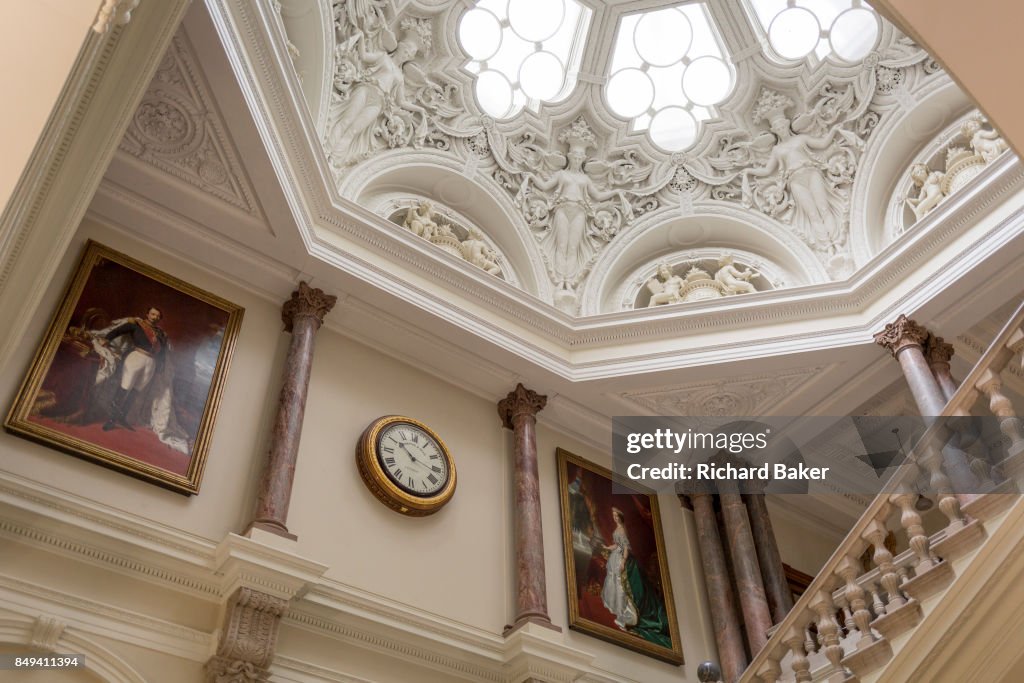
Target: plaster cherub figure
(665, 287)
(986, 143)
(477, 252)
(420, 219)
(929, 194)
(734, 280)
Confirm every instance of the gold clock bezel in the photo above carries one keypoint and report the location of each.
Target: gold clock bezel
(386, 491)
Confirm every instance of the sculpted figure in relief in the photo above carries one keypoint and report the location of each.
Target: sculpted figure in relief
(986, 143)
(420, 219)
(734, 280)
(929, 194)
(476, 251)
(665, 287)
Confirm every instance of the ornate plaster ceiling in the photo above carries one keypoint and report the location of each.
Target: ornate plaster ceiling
(656, 132)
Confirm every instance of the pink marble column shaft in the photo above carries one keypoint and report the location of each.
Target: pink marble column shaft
(302, 315)
(905, 339)
(518, 412)
(721, 601)
(749, 585)
(776, 588)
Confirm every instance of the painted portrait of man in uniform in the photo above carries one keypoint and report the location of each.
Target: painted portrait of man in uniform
(130, 371)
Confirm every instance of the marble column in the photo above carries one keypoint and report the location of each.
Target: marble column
(939, 353)
(905, 339)
(756, 616)
(518, 412)
(776, 588)
(721, 601)
(302, 315)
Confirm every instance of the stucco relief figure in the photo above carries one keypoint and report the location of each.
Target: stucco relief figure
(929, 194)
(986, 143)
(381, 97)
(734, 280)
(477, 252)
(800, 171)
(665, 287)
(575, 203)
(422, 219)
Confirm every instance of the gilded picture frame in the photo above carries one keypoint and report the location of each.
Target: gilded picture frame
(130, 371)
(617, 578)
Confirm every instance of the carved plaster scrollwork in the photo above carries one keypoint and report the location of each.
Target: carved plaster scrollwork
(248, 638)
(176, 129)
(113, 13)
(46, 633)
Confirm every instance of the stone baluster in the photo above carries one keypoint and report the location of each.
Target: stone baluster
(810, 640)
(799, 662)
(302, 314)
(776, 588)
(518, 412)
(756, 616)
(770, 671)
(904, 338)
(848, 569)
(721, 601)
(875, 534)
(910, 520)
(877, 606)
(938, 483)
(844, 606)
(991, 385)
(828, 629)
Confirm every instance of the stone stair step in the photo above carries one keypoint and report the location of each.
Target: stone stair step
(899, 620)
(962, 541)
(928, 583)
(872, 657)
(992, 504)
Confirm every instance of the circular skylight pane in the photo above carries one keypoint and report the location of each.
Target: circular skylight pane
(630, 92)
(480, 34)
(794, 33)
(494, 93)
(707, 81)
(663, 37)
(541, 76)
(536, 20)
(673, 129)
(854, 33)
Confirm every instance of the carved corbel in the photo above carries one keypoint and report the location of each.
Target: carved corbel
(248, 638)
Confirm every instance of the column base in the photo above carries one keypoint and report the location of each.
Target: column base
(272, 528)
(533, 619)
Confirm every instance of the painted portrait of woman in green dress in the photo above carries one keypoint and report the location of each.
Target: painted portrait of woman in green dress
(617, 576)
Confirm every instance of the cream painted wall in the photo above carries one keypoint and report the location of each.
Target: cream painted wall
(803, 545)
(455, 565)
(225, 501)
(39, 42)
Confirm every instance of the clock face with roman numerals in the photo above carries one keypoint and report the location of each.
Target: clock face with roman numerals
(406, 465)
(412, 459)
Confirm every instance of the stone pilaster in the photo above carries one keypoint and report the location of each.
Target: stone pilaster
(248, 637)
(302, 314)
(518, 412)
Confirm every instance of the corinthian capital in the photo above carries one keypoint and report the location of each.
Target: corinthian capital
(306, 302)
(938, 350)
(900, 334)
(520, 402)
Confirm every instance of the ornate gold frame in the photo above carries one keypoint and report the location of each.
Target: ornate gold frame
(17, 421)
(673, 655)
(381, 485)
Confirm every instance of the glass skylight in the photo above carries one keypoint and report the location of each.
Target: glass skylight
(796, 29)
(523, 52)
(667, 72)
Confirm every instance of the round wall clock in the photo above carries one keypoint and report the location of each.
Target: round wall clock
(406, 465)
